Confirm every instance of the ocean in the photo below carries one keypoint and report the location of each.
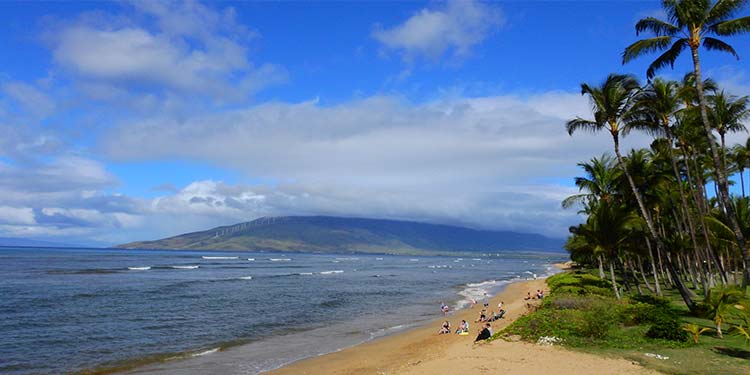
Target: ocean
(197, 312)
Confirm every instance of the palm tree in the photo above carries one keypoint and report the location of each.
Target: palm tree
(727, 113)
(690, 22)
(720, 302)
(600, 182)
(739, 156)
(613, 109)
(608, 229)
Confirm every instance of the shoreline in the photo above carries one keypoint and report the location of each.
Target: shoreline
(421, 350)
(430, 327)
(183, 361)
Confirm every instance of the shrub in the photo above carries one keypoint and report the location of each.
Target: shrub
(580, 284)
(668, 329)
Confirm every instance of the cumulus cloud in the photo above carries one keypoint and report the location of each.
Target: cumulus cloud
(454, 27)
(187, 48)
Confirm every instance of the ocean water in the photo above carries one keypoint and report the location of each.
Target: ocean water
(71, 310)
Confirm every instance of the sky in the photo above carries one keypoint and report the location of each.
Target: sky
(126, 121)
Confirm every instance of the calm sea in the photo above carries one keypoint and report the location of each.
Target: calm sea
(70, 310)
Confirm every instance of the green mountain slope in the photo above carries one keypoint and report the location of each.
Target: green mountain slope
(338, 234)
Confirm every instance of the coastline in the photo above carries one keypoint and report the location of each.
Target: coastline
(422, 351)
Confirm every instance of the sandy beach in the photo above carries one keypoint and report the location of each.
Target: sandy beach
(423, 351)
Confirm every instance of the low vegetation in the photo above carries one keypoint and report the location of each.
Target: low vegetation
(659, 332)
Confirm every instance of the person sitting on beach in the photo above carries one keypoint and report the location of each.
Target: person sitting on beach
(489, 328)
(482, 317)
(528, 296)
(464, 327)
(499, 315)
(539, 294)
(500, 305)
(446, 328)
(484, 334)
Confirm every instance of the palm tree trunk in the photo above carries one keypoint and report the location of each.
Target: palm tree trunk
(742, 181)
(719, 171)
(614, 282)
(653, 268)
(601, 267)
(684, 292)
(635, 276)
(643, 275)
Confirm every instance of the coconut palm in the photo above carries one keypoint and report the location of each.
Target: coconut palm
(720, 303)
(614, 110)
(727, 113)
(690, 24)
(739, 157)
(600, 182)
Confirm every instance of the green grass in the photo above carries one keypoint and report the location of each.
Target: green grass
(582, 311)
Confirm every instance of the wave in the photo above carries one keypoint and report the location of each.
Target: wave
(245, 278)
(206, 352)
(305, 273)
(482, 284)
(331, 272)
(139, 268)
(213, 257)
(378, 258)
(476, 259)
(184, 267)
(414, 260)
(349, 258)
(251, 259)
(279, 259)
(478, 291)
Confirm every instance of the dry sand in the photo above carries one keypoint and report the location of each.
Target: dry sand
(423, 351)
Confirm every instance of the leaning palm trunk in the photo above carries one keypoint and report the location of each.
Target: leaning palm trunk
(653, 268)
(643, 275)
(614, 281)
(684, 292)
(721, 179)
(601, 267)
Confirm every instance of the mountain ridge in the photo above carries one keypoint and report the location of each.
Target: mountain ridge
(350, 235)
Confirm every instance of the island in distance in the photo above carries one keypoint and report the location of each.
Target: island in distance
(351, 235)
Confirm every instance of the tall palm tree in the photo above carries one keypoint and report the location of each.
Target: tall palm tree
(727, 113)
(690, 22)
(599, 183)
(613, 108)
(739, 156)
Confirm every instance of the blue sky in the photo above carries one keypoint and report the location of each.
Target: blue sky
(134, 120)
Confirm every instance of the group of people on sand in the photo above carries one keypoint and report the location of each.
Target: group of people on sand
(484, 332)
(539, 295)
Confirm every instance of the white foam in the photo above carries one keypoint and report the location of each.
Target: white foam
(478, 291)
(139, 268)
(279, 259)
(215, 258)
(251, 259)
(246, 278)
(305, 273)
(331, 272)
(210, 351)
(185, 267)
(349, 258)
(482, 284)
(475, 259)
(414, 260)
(378, 258)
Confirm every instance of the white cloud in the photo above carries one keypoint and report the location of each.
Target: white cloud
(454, 27)
(29, 98)
(190, 49)
(473, 161)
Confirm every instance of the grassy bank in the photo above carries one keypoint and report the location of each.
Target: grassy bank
(583, 314)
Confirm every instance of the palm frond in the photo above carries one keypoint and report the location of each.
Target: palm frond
(732, 27)
(645, 46)
(656, 26)
(713, 44)
(582, 124)
(724, 9)
(667, 58)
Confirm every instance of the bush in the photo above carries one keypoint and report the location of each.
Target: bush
(579, 284)
(667, 329)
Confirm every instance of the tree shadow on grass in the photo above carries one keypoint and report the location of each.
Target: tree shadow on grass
(732, 352)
